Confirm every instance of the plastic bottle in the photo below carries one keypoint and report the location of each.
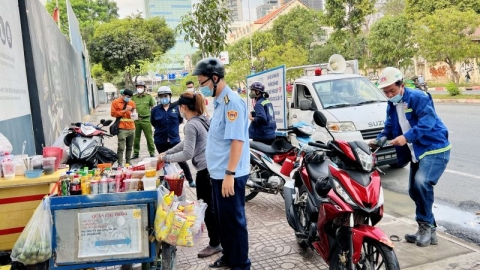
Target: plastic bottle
(84, 183)
(118, 180)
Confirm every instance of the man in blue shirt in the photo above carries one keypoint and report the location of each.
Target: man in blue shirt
(228, 161)
(166, 119)
(420, 138)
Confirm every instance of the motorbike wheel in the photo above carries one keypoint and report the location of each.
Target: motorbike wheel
(375, 255)
(301, 212)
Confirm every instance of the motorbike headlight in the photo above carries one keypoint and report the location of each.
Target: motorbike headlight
(342, 193)
(87, 152)
(365, 159)
(341, 126)
(75, 151)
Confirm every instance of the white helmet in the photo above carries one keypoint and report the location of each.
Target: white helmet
(389, 76)
(164, 90)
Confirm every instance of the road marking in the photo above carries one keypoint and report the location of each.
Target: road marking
(464, 174)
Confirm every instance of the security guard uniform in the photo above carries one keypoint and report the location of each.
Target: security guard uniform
(230, 122)
(144, 103)
(263, 125)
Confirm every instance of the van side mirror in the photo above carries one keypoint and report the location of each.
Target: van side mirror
(319, 119)
(305, 104)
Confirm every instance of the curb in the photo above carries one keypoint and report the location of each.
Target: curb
(463, 88)
(456, 100)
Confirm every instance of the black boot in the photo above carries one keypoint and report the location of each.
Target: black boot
(412, 238)
(424, 236)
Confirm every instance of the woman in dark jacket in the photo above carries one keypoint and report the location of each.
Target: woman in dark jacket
(263, 125)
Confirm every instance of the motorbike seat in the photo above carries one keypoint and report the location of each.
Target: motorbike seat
(264, 148)
(317, 171)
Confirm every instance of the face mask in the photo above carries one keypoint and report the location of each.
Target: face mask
(396, 99)
(206, 91)
(252, 95)
(126, 99)
(191, 89)
(140, 90)
(165, 101)
(182, 113)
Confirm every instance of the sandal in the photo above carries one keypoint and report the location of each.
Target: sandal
(219, 264)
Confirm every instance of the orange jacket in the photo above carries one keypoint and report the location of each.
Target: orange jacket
(116, 110)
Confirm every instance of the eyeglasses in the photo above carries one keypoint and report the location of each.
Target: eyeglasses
(202, 83)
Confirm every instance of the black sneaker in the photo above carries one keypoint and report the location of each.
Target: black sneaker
(134, 156)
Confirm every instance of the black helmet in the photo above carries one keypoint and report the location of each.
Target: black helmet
(209, 67)
(140, 83)
(258, 86)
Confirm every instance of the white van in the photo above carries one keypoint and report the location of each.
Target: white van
(354, 107)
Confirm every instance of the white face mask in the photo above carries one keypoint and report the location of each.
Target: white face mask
(191, 89)
(140, 90)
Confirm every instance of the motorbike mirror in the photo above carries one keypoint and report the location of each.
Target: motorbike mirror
(107, 122)
(320, 119)
(102, 121)
(382, 141)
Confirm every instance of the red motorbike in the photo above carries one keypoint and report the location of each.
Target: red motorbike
(334, 202)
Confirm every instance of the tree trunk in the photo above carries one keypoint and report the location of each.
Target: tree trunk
(455, 76)
(128, 80)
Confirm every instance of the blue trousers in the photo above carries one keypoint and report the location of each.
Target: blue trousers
(230, 213)
(424, 175)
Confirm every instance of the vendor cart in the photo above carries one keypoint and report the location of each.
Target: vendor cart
(103, 230)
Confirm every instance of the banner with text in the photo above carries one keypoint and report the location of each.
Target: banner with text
(274, 81)
(15, 118)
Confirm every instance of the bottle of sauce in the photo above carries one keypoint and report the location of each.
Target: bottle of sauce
(75, 188)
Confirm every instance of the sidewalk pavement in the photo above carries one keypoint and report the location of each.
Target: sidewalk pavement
(273, 245)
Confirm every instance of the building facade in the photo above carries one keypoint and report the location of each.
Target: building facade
(172, 11)
(235, 6)
(267, 7)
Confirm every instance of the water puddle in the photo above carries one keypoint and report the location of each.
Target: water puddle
(456, 216)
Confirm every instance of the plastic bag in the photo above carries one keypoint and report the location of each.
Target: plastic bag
(178, 223)
(5, 145)
(34, 244)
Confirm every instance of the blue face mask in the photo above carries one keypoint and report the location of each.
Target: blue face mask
(165, 101)
(126, 99)
(396, 99)
(206, 91)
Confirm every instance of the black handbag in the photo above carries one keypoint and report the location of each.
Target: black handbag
(114, 130)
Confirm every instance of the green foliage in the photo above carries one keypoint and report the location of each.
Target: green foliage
(207, 26)
(389, 42)
(288, 54)
(321, 53)
(419, 8)
(393, 7)
(348, 14)
(452, 89)
(237, 72)
(123, 43)
(445, 36)
(89, 13)
(287, 27)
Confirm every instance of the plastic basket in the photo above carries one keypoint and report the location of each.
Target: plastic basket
(176, 185)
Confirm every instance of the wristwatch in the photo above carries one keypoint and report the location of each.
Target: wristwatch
(227, 172)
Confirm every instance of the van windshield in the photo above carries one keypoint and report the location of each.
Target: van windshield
(347, 92)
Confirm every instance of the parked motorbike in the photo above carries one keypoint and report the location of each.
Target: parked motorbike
(267, 161)
(334, 202)
(86, 148)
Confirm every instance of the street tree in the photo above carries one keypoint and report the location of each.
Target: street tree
(445, 36)
(301, 25)
(261, 41)
(207, 26)
(348, 15)
(288, 54)
(89, 13)
(389, 42)
(237, 73)
(416, 9)
(123, 44)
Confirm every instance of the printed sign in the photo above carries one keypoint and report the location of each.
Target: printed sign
(224, 58)
(274, 82)
(109, 233)
(14, 99)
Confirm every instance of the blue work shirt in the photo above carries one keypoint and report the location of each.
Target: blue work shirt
(166, 124)
(229, 122)
(263, 125)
